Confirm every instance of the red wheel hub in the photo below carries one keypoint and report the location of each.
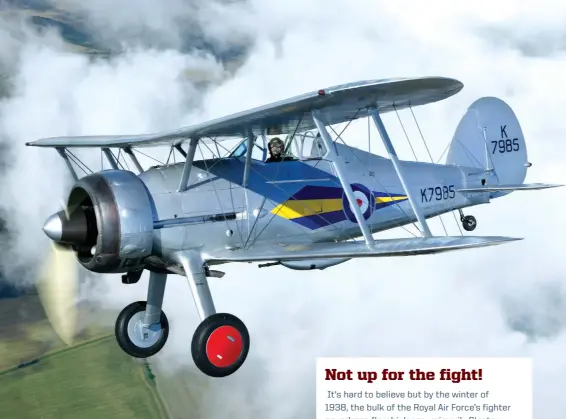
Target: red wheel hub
(224, 346)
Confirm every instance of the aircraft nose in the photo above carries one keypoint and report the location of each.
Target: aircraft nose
(53, 227)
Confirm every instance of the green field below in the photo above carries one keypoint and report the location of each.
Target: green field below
(182, 393)
(25, 332)
(92, 379)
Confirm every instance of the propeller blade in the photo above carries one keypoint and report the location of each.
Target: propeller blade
(57, 287)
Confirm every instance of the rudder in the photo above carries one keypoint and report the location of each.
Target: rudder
(489, 136)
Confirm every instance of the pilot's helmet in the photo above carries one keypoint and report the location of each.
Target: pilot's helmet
(276, 145)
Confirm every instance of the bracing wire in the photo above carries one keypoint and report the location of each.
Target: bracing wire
(79, 163)
(125, 160)
(214, 187)
(432, 161)
(406, 135)
(381, 186)
(339, 137)
(117, 159)
(169, 156)
(421, 134)
(150, 157)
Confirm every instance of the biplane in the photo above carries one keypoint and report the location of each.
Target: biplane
(316, 207)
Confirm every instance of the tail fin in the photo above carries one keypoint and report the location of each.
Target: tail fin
(489, 137)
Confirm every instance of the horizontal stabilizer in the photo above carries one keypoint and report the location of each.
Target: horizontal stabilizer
(519, 187)
(381, 248)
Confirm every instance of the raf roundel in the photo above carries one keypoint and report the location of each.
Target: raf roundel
(364, 199)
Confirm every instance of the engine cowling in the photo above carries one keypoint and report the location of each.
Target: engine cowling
(108, 222)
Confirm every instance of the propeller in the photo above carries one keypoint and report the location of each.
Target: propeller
(57, 287)
(57, 283)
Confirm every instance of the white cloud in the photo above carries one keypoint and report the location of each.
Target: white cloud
(459, 304)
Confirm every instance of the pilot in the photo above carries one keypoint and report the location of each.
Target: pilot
(275, 147)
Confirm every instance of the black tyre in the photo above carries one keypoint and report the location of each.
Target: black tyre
(469, 223)
(220, 345)
(133, 339)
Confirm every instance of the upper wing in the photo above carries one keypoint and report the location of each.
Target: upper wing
(336, 104)
(391, 247)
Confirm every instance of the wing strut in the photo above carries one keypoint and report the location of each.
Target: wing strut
(250, 145)
(179, 148)
(395, 160)
(63, 153)
(188, 165)
(134, 159)
(110, 158)
(337, 162)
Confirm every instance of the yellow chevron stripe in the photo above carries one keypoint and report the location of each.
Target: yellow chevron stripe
(383, 199)
(294, 208)
(303, 208)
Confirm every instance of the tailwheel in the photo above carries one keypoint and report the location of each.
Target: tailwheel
(469, 223)
(220, 345)
(136, 338)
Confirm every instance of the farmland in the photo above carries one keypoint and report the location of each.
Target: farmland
(91, 379)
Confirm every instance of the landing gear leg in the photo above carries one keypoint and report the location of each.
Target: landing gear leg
(221, 341)
(468, 221)
(142, 327)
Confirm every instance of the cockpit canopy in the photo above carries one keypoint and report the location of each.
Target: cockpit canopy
(303, 146)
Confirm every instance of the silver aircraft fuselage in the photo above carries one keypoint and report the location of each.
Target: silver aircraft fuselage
(295, 201)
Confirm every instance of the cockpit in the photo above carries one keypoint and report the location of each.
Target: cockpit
(276, 148)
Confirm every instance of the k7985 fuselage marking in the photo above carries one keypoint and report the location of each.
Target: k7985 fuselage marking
(438, 193)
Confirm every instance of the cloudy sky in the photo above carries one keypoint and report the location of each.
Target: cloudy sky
(502, 301)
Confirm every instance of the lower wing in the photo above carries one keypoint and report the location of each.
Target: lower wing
(502, 188)
(382, 248)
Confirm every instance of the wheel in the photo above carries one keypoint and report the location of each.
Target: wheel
(132, 337)
(220, 345)
(469, 223)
